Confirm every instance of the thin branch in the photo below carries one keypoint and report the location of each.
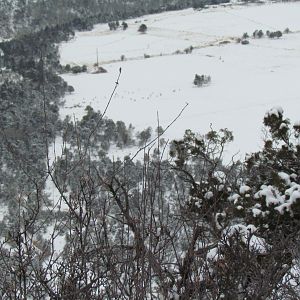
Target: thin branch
(159, 135)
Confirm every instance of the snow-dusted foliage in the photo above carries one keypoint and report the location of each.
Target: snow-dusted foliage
(188, 227)
(256, 215)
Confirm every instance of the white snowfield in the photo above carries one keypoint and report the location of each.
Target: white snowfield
(246, 81)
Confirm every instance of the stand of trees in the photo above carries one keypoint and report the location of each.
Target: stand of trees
(187, 227)
(201, 80)
(20, 17)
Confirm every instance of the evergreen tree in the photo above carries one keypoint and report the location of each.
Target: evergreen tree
(143, 28)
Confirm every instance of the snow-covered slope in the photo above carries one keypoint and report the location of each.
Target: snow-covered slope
(246, 80)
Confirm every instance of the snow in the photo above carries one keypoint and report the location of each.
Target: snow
(244, 189)
(246, 233)
(208, 195)
(55, 150)
(276, 111)
(285, 177)
(271, 195)
(174, 30)
(3, 212)
(234, 229)
(58, 240)
(246, 80)
(282, 126)
(213, 254)
(256, 212)
(234, 198)
(258, 244)
(220, 176)
(297, 124)
(293, 194)
(221, 188)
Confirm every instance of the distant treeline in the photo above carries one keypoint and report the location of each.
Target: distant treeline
(19, 16)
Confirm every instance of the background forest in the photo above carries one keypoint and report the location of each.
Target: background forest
(23, 16)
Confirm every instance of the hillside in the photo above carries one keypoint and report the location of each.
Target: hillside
(123, 166)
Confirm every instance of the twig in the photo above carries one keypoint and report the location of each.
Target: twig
(159, 135)
(105, 110)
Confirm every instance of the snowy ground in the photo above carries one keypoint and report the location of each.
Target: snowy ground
(170, 31)
(246, 80)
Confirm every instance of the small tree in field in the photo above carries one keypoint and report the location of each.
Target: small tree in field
(245, 35)
(124, 25)
(201, 80)
(278, 34)
(143, 28)
(258, 34)
(275, 34)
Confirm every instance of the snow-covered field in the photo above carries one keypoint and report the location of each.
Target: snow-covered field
(247, 80)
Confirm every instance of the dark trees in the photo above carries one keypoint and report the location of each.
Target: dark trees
(186, 227)
(124, 25)
(143, 28)
(258, 34)
(201, 80)
(275, 34)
